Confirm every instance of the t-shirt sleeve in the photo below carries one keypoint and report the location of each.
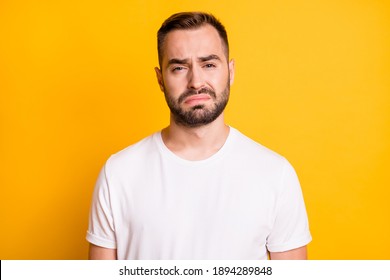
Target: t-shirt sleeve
(291, 228)
(101, 224)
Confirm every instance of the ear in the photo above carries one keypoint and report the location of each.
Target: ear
(231, 71)
(159, 78)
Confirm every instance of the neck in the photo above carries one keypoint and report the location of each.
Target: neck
(196, 143)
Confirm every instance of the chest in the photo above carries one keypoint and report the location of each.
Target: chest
(216, 198)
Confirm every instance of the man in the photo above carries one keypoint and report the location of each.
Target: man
(198, 189)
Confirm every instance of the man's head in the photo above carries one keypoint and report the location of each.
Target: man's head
(195, 74)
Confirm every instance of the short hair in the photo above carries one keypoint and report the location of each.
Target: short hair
(190, 20)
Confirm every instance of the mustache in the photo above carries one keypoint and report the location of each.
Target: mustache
(191, 92)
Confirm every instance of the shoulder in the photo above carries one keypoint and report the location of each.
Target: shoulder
(133, 155)
(267, 164)
(252, 150)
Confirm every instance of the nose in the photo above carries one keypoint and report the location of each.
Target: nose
(195, 78)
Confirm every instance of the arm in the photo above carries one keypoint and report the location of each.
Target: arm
(294, 254)
(101, 253)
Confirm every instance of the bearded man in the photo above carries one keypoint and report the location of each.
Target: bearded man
(197, 189)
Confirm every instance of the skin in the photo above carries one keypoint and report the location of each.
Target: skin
(100, 253)
(195, 59)
(295, 254)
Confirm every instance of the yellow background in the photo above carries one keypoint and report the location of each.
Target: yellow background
(77, 84)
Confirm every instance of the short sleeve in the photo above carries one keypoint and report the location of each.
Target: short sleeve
(291, 228)
(101, 225)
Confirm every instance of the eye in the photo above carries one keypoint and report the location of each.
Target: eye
(209, 65)
(177, 68)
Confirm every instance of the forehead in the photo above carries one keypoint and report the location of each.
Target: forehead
(188, 43)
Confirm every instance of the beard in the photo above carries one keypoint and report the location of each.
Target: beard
(197, 115)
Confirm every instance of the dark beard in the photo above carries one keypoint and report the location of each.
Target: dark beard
(198, 115)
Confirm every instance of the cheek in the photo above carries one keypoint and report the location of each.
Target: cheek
(174, 85)
(171, 87)
(219, 81)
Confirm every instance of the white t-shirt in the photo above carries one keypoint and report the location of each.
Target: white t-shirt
(149, 203)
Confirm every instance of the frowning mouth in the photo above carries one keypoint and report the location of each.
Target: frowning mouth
(203, 93)
(196, 99)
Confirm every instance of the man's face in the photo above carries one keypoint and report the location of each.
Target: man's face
(195, 75)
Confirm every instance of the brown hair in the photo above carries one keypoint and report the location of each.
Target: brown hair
(189, 20)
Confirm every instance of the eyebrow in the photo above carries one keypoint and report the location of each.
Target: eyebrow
(186, 60)
(209, 57)
(178, 61)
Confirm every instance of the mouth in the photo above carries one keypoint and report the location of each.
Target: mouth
(194, 95)
(197, 99)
